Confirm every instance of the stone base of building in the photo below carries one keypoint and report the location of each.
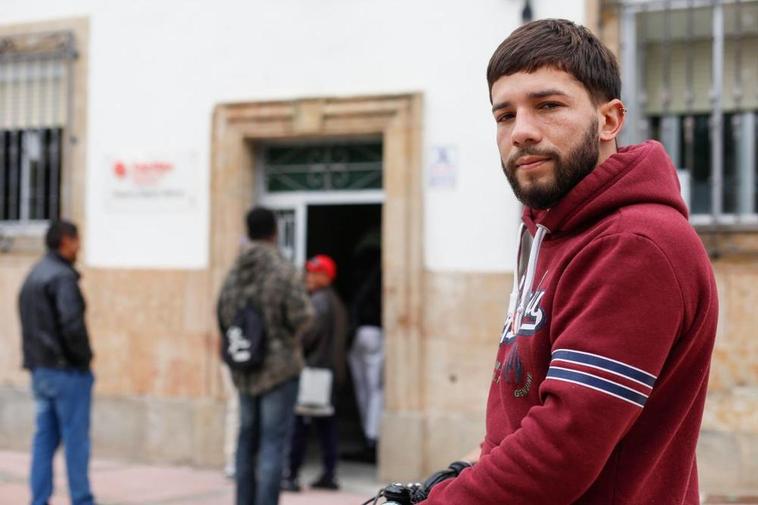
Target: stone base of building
(191, 431)
(728, 463)
(415, 446)
(145, 429)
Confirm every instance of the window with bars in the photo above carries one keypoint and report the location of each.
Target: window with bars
(323, 167)
(35, 104)
(740, 184)
(690, 76)
(30, 180)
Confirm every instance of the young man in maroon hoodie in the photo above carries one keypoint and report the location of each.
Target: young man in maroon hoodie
(602, 367)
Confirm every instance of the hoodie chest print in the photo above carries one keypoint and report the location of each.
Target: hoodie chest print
(528, 322)
(526, 316)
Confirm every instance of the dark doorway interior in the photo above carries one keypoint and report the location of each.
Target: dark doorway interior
(351, 235)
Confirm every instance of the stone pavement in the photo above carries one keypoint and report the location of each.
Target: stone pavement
(120, 483)
(731, 500)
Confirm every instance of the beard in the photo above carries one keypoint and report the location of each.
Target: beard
(569, 170)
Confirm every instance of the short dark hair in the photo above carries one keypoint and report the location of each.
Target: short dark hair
(57, 230)
(563, 45)
(261, 223)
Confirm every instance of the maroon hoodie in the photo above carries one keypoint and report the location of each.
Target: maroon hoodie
(601, 373)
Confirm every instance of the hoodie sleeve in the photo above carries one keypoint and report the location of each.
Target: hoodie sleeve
(617, 310)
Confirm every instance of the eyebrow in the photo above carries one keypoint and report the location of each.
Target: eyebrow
(535, 95)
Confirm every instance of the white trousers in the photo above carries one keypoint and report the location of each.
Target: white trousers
(366, 361)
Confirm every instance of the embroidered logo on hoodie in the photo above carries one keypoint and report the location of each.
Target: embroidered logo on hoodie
(532, 319)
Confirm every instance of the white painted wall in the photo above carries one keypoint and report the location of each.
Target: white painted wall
(158, 67)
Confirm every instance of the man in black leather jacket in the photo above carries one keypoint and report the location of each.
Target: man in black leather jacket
(57, 351)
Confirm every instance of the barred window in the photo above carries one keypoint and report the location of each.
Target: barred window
(691, 81)
(35, 104)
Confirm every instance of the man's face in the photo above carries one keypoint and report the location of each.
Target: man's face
(69, 247)
(316, 280)
(547, 134)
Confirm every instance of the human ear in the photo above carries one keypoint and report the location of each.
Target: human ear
(611, 117)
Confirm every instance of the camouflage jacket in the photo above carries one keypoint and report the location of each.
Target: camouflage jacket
(262, 277)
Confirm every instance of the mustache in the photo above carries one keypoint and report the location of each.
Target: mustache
(510, 163)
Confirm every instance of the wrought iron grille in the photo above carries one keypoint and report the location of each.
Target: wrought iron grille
(323, 167)
(285, 219)
(690, 73)
(35, 106)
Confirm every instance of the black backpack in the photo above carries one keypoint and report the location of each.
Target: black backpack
(243, 343)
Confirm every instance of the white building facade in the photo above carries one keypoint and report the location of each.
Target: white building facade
(172, 117)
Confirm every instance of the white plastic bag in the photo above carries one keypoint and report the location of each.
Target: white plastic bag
(314, 396)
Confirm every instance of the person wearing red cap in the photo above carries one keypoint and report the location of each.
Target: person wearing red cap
(323, 346)
(322, 271)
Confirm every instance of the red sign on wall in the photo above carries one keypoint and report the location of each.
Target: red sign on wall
(152, 184)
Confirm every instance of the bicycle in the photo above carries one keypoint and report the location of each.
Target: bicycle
(415, 492)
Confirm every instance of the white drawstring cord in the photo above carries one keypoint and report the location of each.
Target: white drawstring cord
(513, 301)
(531, 270)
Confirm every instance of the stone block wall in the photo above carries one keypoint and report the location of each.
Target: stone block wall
(728, 449)
(463, 313)
(159, 396)
(158, 393)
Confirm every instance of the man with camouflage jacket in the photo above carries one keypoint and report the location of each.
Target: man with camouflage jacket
(263, 278)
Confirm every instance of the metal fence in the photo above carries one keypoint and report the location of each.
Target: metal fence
(36, 101)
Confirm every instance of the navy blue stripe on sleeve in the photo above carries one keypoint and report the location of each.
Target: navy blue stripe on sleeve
(609, 365)
(598, 384)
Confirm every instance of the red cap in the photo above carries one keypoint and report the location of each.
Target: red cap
(322, 263)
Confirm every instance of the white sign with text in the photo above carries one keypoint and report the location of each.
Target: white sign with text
(443, 167)
(150, 183)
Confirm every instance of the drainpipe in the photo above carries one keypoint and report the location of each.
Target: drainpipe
(526, 12)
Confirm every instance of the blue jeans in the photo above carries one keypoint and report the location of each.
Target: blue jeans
(265, 421)
(63, 399)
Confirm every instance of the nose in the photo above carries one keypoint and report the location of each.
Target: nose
(525, 130)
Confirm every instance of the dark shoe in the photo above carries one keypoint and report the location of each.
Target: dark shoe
(324, 482)
(291, 485)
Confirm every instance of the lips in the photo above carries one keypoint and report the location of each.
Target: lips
(528, 162)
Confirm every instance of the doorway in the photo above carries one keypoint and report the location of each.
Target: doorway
(241, 130)
(351, 235)
(328, 197)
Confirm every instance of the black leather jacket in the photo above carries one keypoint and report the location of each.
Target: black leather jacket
(52, 317)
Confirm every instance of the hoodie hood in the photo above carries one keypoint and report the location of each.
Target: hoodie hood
(641, 173)
(636, 174)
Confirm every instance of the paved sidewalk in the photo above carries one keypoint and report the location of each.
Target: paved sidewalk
(119, 483)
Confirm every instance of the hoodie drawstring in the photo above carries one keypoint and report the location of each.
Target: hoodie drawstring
(522, 288)
(513, 300)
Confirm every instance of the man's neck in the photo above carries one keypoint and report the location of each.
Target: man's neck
(62, 257)
(268, 240)
(605, 151)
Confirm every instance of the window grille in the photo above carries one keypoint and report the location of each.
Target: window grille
(286, 222)
(35, 107)
(690, 77)
(323, 167)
